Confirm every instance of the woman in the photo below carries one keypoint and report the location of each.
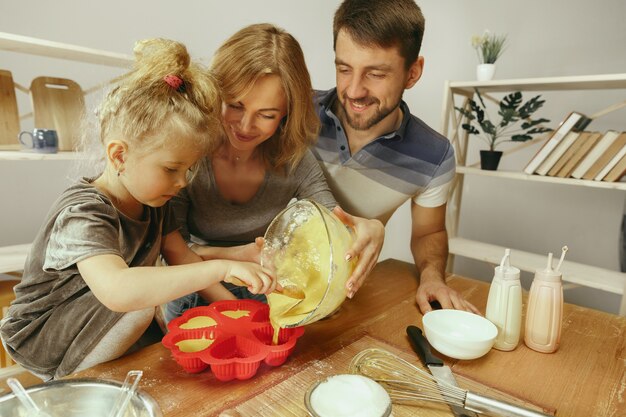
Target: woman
(262, 160)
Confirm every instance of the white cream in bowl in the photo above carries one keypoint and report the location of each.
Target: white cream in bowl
(349, 396)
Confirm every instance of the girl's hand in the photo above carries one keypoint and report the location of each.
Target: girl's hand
(258, 279)
(370, 235)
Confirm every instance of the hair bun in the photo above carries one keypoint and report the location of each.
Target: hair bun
(162, 52)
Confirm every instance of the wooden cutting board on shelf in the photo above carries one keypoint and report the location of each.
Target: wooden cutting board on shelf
(58, 104)
(9, 115)
(287, 397)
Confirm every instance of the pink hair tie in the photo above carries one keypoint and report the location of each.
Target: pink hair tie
(175, 82)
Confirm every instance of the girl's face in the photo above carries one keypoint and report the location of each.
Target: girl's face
(255, 117)
(154, 178)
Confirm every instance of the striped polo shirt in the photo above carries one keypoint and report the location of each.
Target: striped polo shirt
(413, 162)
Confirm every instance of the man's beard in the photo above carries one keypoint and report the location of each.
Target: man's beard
(359, 123)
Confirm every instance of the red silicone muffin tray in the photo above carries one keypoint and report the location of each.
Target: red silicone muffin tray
(239, 344)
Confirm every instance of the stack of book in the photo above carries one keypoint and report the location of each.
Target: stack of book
(572, 152)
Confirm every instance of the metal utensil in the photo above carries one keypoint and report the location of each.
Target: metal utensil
(32, 410)
(128, 390)
(436, 366)
(408, 384)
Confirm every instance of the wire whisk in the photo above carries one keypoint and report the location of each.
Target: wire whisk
(409, 384)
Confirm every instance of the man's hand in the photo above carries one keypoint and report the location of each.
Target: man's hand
(436, 290)
(370, 235)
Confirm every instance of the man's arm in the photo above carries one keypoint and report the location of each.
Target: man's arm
(429, 246)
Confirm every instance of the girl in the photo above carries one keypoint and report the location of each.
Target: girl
(262, 158)
(90, 286)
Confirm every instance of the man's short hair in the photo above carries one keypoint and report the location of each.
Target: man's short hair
(382, 23)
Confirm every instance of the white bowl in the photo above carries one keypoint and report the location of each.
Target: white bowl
(347, 395)
(459, 334)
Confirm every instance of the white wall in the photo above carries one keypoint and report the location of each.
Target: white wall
(560, 37)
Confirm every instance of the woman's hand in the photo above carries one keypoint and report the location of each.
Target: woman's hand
(370, 235)
(258, 279)
(250, 252)
(246, 253)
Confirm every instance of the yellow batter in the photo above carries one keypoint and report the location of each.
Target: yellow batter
(194, 345)
(236, 314)
(198, 322)
(305, 262)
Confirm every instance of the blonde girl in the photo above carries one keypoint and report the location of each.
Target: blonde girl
(90, 287)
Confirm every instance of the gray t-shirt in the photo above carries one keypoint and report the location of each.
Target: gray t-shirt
(207, 218)
(55, 319)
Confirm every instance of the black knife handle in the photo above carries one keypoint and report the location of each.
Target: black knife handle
(421, 347)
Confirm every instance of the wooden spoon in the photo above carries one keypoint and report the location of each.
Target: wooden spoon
(289, 290)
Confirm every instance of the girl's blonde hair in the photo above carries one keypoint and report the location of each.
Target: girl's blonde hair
(258, 50)
(143, 103)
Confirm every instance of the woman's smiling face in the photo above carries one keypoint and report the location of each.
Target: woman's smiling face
(254, 118)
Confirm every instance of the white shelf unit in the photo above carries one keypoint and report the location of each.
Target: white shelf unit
(41, 47)
(35, 156)
(12, 258)
(574, 273)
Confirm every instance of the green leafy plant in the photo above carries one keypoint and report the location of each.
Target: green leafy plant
(515, 124)
(488, 47)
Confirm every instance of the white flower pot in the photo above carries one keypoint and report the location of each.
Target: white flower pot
(485, 72)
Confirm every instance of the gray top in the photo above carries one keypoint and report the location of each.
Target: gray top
(207, 218)
(55, 320)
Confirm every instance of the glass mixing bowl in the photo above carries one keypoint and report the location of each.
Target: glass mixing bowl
(306, 245)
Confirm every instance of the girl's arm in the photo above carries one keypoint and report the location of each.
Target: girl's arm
(123, 289)
(176, 252)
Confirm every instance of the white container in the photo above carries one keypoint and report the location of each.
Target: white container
(459, 334)
(504, 304)
(485, 72)
(544, 315)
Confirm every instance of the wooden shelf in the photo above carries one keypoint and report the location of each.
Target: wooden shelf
(13, 258)
(34, 156)
(585, 82)
(576, 273)
(515, 175)
(41, 47)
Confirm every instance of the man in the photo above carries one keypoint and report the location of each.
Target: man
(375, 154)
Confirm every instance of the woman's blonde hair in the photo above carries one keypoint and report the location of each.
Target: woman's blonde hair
(144, 103)
(258, 50)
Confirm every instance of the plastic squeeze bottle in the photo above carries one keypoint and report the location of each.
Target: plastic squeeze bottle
(544, 316)
(504, 304)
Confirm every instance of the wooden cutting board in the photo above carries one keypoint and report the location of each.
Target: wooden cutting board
(287, 397)
(58, 104)
(9, 116)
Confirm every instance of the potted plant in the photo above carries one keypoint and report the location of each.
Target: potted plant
(488, 48)
(514, 126)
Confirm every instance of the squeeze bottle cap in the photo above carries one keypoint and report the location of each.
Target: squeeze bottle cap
(505, 270)
(549, 274)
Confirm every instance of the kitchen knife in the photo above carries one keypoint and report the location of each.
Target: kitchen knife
(436, 366)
